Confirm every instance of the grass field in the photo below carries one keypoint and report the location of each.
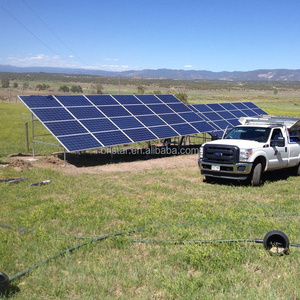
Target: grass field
(168, 205)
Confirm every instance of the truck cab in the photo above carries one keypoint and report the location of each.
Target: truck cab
(255, 146)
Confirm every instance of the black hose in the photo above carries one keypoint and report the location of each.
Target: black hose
(72, 249)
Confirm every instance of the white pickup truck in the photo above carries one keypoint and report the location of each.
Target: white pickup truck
(255, 146)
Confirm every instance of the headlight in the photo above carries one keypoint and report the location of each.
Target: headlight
(245, 154)
(201, 152)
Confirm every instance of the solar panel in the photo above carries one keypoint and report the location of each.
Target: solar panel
(225, 115)
(81, 122)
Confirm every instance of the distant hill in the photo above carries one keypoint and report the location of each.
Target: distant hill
(256, 75)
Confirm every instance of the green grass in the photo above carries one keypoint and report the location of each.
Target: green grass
(170, 204)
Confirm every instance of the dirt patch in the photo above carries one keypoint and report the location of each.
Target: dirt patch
(20, 164)
(97, 164)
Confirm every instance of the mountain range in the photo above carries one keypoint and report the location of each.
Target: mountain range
(255, 75)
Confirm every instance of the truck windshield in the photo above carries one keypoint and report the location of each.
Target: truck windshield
(249, 133)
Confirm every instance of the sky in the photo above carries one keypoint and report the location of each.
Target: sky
(120, 35)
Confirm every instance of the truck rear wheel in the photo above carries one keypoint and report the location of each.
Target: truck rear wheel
(256, 175)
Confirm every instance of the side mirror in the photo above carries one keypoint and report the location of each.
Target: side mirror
(278, 142)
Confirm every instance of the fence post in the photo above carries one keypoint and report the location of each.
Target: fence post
(26, 137)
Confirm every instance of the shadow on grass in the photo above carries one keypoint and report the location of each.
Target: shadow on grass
(10, 292)
(128, 155)
(270, 176)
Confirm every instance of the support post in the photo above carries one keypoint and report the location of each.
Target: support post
(32, 128)
(26, 138)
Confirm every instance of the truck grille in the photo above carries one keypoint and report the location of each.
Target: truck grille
(221, 154)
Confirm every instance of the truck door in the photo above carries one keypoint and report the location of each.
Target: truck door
(279, 154)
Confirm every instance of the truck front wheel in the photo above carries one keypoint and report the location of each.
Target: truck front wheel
(256, 175)
(297, 170)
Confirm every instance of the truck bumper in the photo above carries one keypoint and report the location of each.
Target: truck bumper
(239, 171)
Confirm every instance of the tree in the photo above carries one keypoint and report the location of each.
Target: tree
(76, 89)
(25, 85)
(182, 97)
(99, 89)
(15, 85)
(63, 88)
(141, 89)
(5, 83)
(41, 87)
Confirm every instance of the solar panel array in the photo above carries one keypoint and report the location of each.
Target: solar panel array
(81, 122)
(219, 116)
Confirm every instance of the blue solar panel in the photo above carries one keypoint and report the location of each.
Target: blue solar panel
(160, 109)
(184, 129)
(138, 110)
(40, 101)
(111, 138)
(65, 128)
(190, 117)
(172, 119)
(250, 104)
(212, 116)
(223, 124)
(215, 106)
(202, 108)
(228, 106)
(102, 100)
(234, 122)
(168, 99)
(203, 126)
(97, 125)
(259, 111)
(151, 120)
(179, 107)
(248, 112)
(52, 114)
(127, 122)
(148, 99)
(114, 111)
(127, 99)
(239, 105)
(73, 100)
(163, 131)
(238, 113)
(86, 113)
(140, 134)
(79, 142)
(226, 115)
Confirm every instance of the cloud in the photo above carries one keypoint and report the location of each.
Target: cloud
(43, 60)
(111, 59)
(188, 66)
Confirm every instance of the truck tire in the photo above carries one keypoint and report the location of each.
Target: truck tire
(208, 179)
(297, 170)
(256, 175)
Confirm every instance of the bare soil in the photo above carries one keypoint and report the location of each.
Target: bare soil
(99, 163)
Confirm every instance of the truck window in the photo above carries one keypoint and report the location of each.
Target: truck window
(257, 134)
(294, 136)
(277, 133)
